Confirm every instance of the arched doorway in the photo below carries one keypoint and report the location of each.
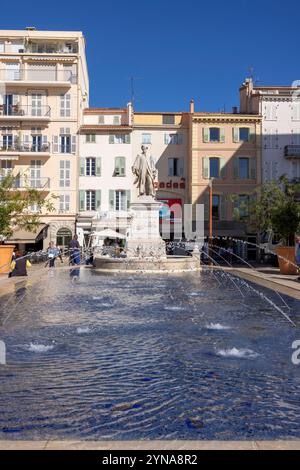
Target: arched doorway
(63, 237)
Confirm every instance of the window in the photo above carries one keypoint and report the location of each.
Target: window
(7, 141)
(146, 138)
(65, 105)
(271, 139)
(244, 168)
(214, 167)
(120, 166)
(215, 207)
(214, 134)
(175, 167)
(119, 139)
(174, 139)
(243, 206)
(120, 201)
(270, 111)
(90, 166)
(168, 119)
(64, 203)
(101, 120)
(5, 168)
(64, 173)
(90, 138)
(65, 144)
(117, 120)
(89, 200)
(36, 104)
(296, 111)
(35, 174)
(244, 134)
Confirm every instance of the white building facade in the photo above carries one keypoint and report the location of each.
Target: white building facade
(280, 111)
(105, 177)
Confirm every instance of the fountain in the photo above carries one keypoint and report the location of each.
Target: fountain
(146, 250)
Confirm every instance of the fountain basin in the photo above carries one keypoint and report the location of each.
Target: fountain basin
(165, 265)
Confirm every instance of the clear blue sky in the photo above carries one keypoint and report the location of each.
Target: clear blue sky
(176, 49)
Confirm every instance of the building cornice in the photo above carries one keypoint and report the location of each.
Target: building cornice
(103, 128)
(228, 118)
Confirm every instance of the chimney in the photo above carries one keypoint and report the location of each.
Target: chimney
(192, 107)
(234, 110)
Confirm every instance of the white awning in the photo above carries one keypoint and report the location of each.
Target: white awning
(108, 233)
(9, 157)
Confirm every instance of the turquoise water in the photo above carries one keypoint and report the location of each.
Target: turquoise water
(146, 357)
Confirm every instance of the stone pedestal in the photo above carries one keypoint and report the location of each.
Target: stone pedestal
(144, 239)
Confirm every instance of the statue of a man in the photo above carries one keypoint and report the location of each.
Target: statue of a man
(145, 172)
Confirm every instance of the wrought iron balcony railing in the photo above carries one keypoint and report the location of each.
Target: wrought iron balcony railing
(23, 182)
(38, 75)
(292, 151)
(25, 111)
(43, 148)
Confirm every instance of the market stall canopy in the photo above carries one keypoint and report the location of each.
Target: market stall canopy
(23, 236)
(108, 233)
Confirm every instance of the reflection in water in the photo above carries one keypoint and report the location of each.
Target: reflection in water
(147, 357)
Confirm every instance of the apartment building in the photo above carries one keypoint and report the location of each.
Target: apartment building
(225, 153)
(44, 89)
(166, 136)
(279, 107)
(105, 176)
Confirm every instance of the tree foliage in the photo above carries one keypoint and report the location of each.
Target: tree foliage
(15, 206)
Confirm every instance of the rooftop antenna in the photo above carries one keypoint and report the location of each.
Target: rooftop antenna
(132, 90)
(253, 77)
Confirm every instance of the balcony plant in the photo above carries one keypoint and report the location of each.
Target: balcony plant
(276, 209)
(15, 212)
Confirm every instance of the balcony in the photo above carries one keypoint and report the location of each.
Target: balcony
(292, 151)
(51, 48)
(23, 182)
(15, 149)
(53, 77)
(31, 113)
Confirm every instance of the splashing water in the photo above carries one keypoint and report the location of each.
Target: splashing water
(39, 348)
(217, 326)
(239, 353)
(84, 330)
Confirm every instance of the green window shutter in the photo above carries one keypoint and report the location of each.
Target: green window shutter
(181, 166)
(223, 169)
(252, 136)
(252, 165)
(205, 134)
(122, 166)
(206, 205)
(82, 166)
(205, 167)
(222, 135)
(111, 139)
(128, 195)
(111, 200)
(98, 199)
(98, 166)
(127, 138)
(81, 200)
(222, 207)
(236, 167)
(236, 134)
